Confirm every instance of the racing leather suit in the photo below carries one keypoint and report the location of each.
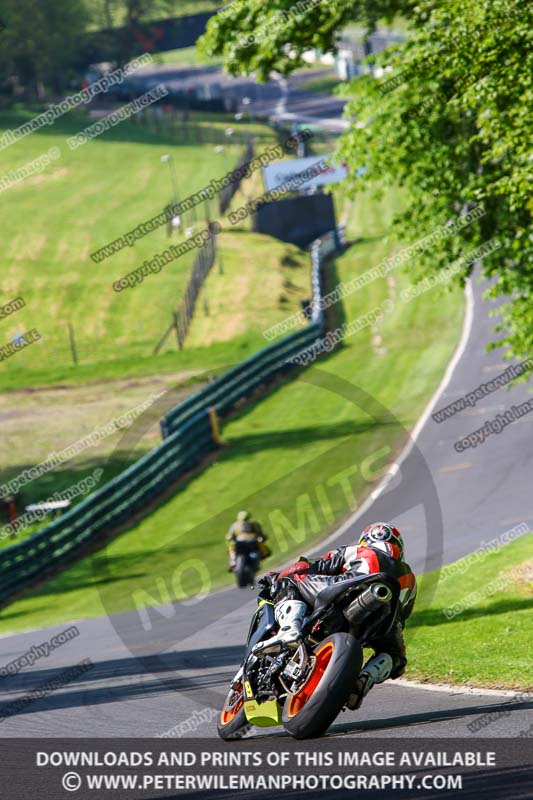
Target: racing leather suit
(305, 580)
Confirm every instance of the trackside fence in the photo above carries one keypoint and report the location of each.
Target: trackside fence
(226, 194)
(182, 317)
(187, 437)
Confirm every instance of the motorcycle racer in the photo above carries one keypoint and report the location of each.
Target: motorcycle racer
(246, 529)
(380, 548)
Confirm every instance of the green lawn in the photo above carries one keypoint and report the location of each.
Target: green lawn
(323, 85)
(184, 57)
(53, 221)
(231, 315)
(489, 643)
(280, 453)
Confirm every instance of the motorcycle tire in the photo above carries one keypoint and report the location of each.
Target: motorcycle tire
(232, 722)
(242, 572)
(310, 711)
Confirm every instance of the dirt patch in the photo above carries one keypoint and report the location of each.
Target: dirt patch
(37, 422)
(522, 575)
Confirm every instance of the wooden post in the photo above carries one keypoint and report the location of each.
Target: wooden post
(72, 343)
(178, 331)
(215, 425)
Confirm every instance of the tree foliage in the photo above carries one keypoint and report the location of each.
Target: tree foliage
(255, 36)
(449, 120)
(40, 40)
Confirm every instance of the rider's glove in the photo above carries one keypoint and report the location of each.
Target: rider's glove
(268, 584)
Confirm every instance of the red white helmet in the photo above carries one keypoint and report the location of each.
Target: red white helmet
(383, 536)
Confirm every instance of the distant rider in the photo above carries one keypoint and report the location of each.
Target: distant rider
(246, 529)
(294, 590)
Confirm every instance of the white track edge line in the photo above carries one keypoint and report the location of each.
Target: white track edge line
(450, 688)
(394, 467)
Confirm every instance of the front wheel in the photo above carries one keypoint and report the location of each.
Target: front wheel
(232, 722)
(337, 661)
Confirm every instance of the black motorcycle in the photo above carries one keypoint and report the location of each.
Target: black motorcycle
(304, 686)
(247, 559)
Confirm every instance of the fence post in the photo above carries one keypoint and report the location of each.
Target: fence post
(72, 341)
(215, 424)
(178, 331)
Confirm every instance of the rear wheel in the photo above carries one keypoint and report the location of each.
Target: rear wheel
(242, 572)
(232, 722)
(337, 661)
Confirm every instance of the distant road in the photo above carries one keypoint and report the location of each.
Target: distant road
(282, 99)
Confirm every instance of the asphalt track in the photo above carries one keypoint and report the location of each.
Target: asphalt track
(147, 678)
(278, 98)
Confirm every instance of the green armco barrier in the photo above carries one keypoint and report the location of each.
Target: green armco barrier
(187, 436)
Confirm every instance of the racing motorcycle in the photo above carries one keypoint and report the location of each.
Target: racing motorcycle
(247, 558)
(304, 685)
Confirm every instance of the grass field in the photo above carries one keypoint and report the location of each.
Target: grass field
(37, 422)
(489, 642)
(80, 202)
(280, 452)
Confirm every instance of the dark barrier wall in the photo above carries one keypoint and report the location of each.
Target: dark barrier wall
(298, 220)
(151, 37)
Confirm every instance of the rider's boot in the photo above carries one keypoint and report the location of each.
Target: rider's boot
(376, 670)
(289, 615)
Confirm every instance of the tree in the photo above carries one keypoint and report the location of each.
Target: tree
(449, 120)
(40, 41)
(254, 36)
